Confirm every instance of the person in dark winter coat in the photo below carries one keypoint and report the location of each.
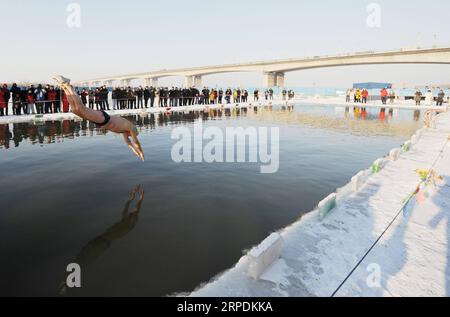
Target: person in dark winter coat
(114, 96)
(440, 98)
(220, 96)
(31, 101)
(104, 94)
(57, 102)
(15, 94)
(131, 98)
(51, 95)
(4, 100)
(255, 95)
(83, 97)
(171, 97)
(23, 101)
(98, 97)
(91, 97)
(139, 95)
(41, 96)
(152, 96)
(418, 97)
(228, 94)
(146, 93)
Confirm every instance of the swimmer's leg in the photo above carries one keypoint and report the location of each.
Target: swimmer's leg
(79, 109)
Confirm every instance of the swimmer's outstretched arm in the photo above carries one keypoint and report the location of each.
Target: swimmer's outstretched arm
(115, 124)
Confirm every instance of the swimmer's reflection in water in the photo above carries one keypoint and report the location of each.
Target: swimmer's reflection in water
(97, 246)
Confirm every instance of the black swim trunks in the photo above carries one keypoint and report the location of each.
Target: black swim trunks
(107, 119)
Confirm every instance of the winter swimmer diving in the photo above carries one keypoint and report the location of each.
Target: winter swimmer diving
(114, 124)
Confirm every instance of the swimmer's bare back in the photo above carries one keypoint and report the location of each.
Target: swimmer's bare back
(114, 124)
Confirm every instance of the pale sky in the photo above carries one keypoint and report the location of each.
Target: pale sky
(119, 37)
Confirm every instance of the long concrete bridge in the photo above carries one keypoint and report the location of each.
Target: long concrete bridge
(274, 71)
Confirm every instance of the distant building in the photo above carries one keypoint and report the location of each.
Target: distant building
(372, 85)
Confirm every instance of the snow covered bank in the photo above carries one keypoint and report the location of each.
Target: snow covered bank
(369, 245)
(147, 111)
(322, 101)
(340, 101)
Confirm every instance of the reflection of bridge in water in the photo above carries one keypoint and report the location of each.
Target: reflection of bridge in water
(57, 131)
(274, 71)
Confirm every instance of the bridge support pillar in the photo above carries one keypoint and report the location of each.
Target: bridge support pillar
(280, 80)
(197, 81)
(274, 79)
(109, 83)
(269, 80)
(189, 81)
(154, 82)
(147, 82)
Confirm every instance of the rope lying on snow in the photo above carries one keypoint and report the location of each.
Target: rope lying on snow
(430, 173)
